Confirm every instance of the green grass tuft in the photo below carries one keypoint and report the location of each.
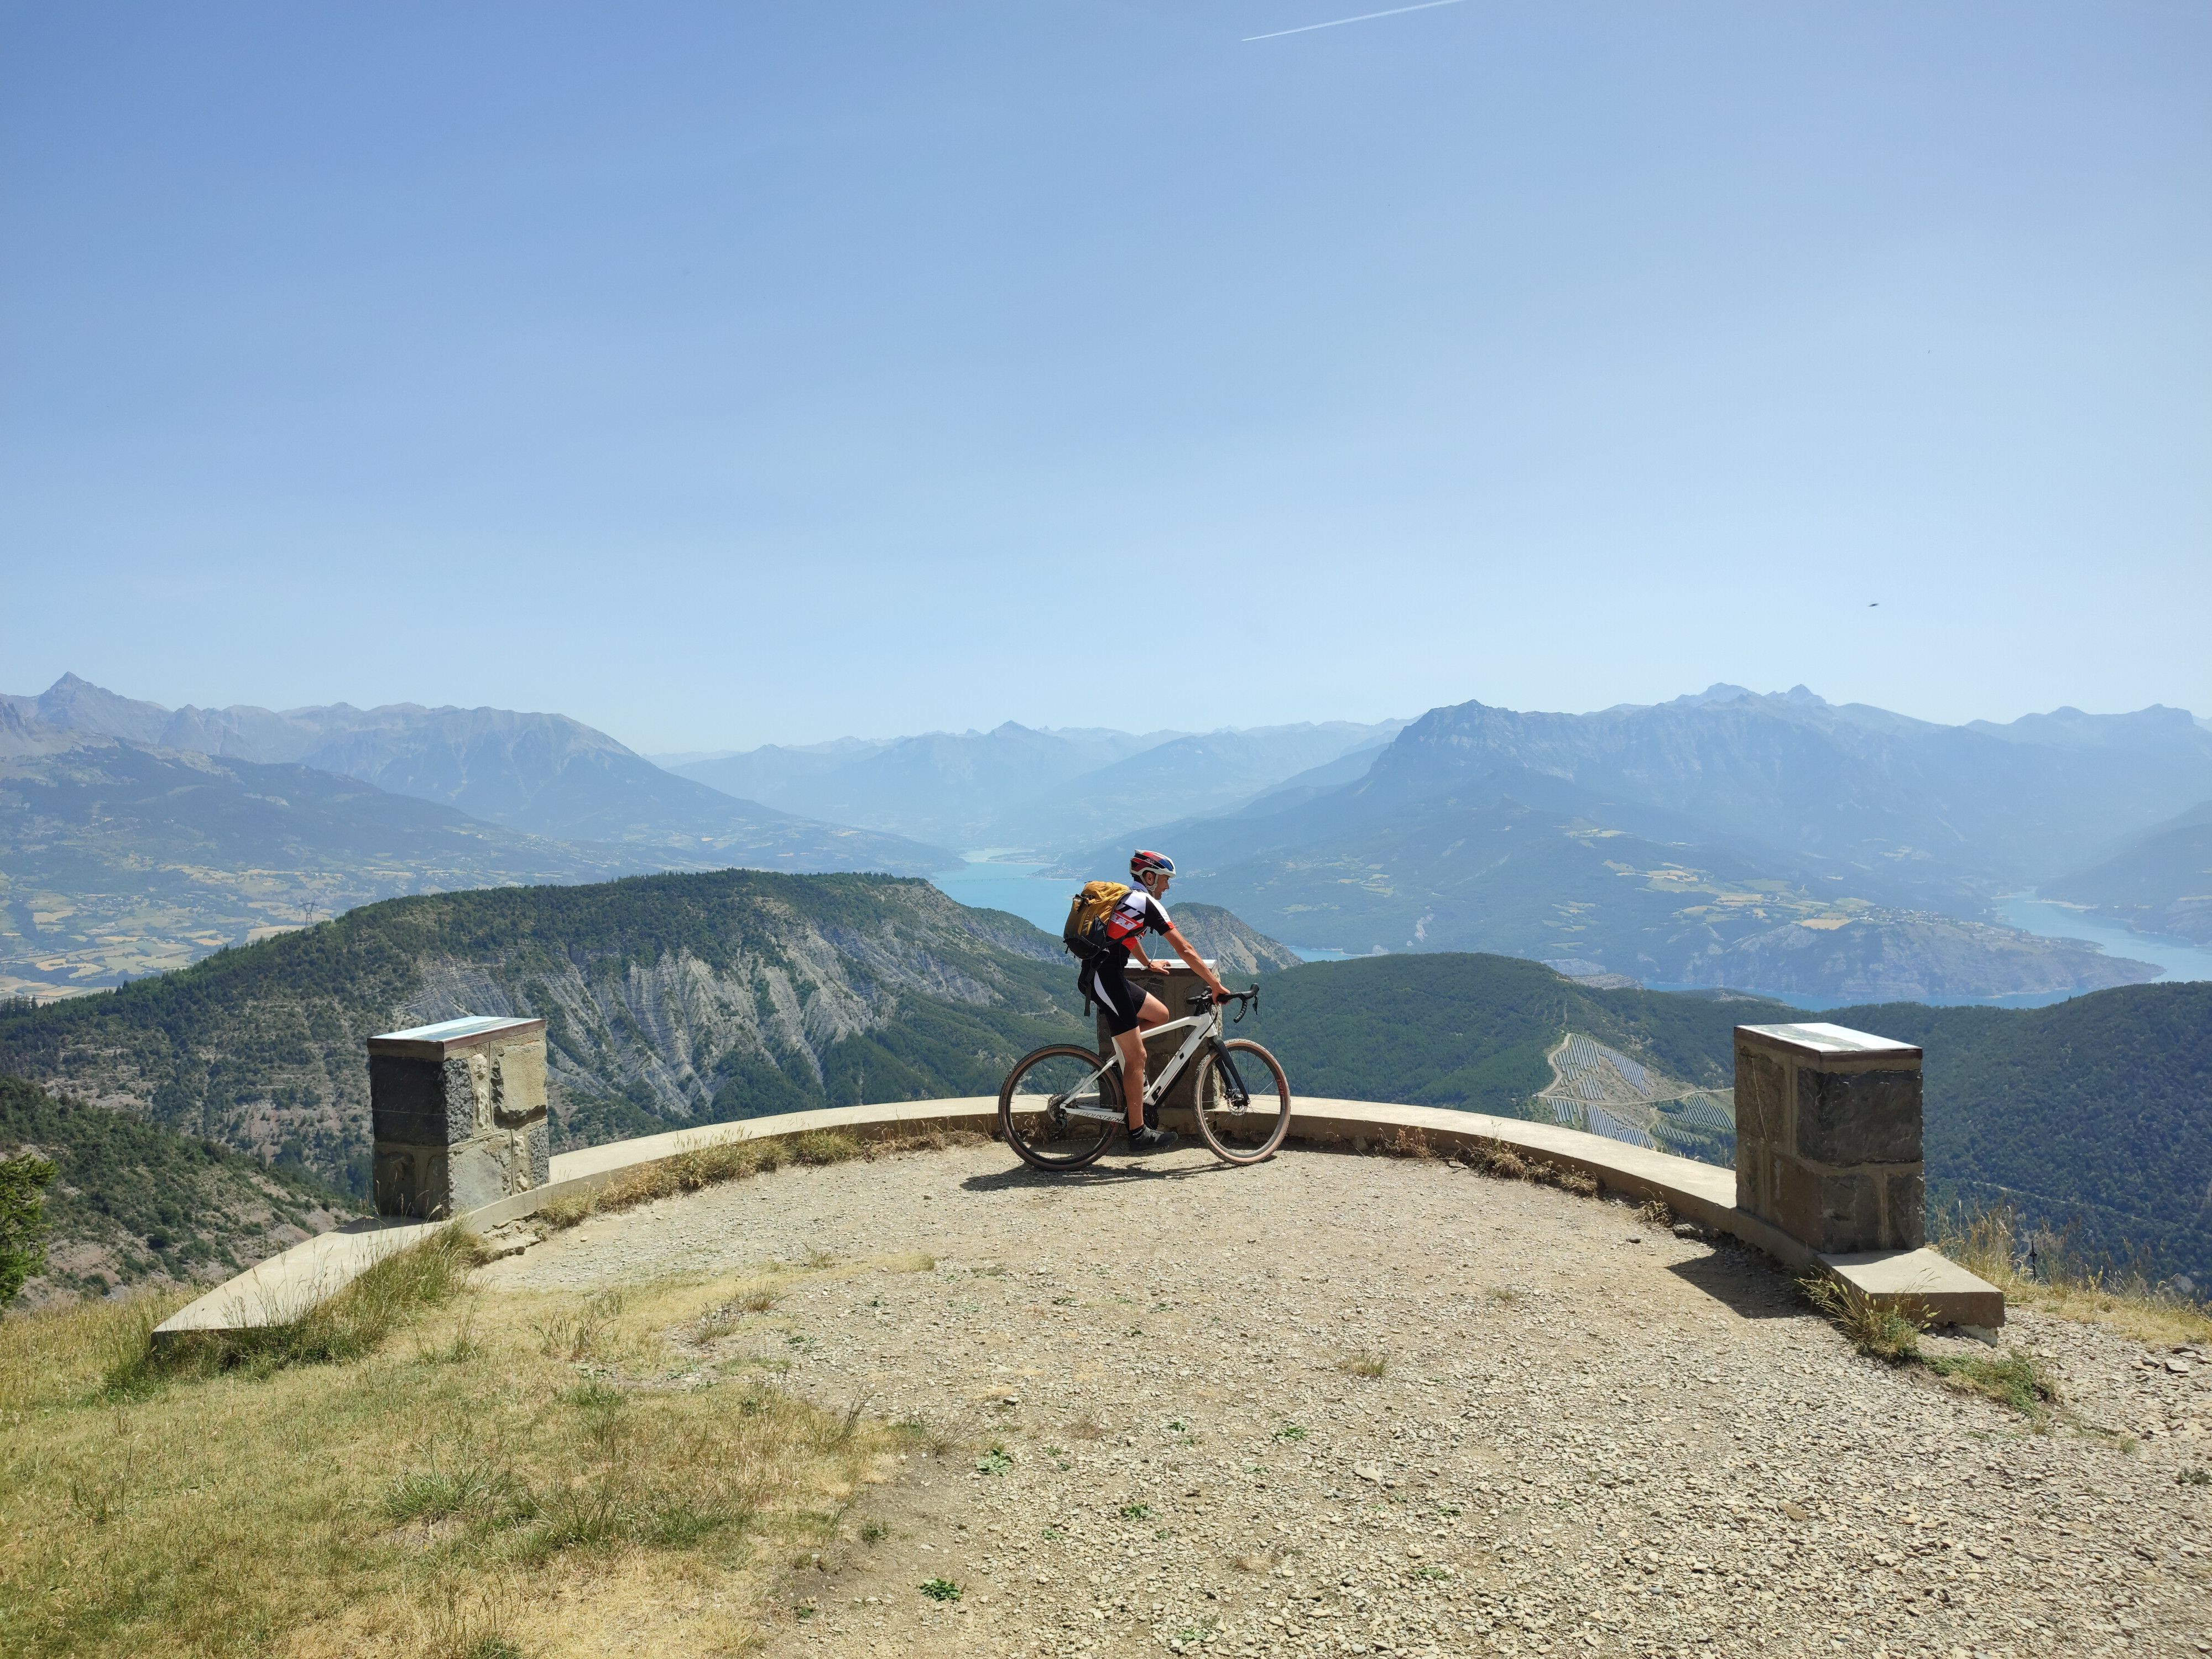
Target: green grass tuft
(2013, 1378)
(1889, 1331)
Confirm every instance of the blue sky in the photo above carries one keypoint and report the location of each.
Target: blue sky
(763, 371)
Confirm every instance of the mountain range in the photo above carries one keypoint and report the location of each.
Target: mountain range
(1778, 841)
(1039, 789)
(135, 839)
(1775, 841)
(545, 775)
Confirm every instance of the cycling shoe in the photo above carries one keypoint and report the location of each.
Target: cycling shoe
(1153, 1140)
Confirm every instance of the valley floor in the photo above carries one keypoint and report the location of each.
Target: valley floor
(1341, 1404)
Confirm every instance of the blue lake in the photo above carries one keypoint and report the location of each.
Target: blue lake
(988, 882)
(991, 881)
(2177, 958)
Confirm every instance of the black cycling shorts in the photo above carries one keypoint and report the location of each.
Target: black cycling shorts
(1105, 984)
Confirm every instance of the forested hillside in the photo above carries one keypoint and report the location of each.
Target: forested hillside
(2092, 1117)
(1471, 1031)
(133, 1202)
(668, 1000)
(671, 1000)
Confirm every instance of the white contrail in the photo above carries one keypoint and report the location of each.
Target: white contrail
(1426, 5)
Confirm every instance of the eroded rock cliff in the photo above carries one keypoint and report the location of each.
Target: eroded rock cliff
(668, 1000)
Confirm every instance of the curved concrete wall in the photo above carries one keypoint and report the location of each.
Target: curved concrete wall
(279, 1289)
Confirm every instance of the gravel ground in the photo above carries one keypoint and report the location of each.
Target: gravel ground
(1586, 1435)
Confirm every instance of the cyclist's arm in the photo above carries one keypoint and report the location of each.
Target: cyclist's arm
(1191, 960)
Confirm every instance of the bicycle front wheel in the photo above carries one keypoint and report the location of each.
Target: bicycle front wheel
(1243, 1106)
(1054, 1112)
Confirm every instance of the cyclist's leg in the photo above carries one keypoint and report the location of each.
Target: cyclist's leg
(1131, 1042)
(1124, 1006)
(1132, 1045)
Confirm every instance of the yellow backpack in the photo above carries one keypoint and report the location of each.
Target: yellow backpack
(1085, 936)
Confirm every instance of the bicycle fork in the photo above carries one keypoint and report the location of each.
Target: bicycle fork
(1239, 1095)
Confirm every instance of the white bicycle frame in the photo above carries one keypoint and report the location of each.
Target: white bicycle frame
(1202, 1027)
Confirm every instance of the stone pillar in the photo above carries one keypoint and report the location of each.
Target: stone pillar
(1827, 1136)
(458, 1114)
(1170, 988)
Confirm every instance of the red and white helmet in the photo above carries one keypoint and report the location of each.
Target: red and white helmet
(1142, 860)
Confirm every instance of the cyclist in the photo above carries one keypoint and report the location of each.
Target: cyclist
(1131, 1013)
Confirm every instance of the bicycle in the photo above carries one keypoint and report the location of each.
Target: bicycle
(1061, 1105)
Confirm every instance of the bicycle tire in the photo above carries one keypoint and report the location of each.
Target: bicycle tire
(1248, 1133)
(1040, 1141)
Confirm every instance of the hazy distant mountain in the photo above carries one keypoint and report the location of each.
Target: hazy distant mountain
(949, 786)
(1215, 772)
(120, 859)
(1312, 783)
(771, 772)
(2161, 884)
(1724, 838)
(1505, 876)
(1018, 786)
(1906, 810)
(543, 774)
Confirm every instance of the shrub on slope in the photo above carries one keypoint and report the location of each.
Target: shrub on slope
(134, 1202)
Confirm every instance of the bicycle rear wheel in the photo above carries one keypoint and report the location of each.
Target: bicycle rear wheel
(1051, 1116)
(1244, 1111)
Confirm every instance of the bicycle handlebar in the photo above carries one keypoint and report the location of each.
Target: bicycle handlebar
(1244, 1000)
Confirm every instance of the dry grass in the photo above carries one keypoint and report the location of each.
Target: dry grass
(709, 1166)
(1888, 1330)
(1994, 1245)
(1495, 1157)
(939, 1433)
(529, 1474)
(1368, 1362)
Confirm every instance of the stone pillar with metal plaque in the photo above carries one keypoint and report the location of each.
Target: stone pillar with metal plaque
(1827, 1136)
(458, 1114)
(1171, 987)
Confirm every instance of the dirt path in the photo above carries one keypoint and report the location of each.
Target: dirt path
(1586, 1435)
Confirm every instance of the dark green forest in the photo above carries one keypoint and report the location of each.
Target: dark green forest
(2092, 1117)
(1471, 1031)
(142, 1201)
